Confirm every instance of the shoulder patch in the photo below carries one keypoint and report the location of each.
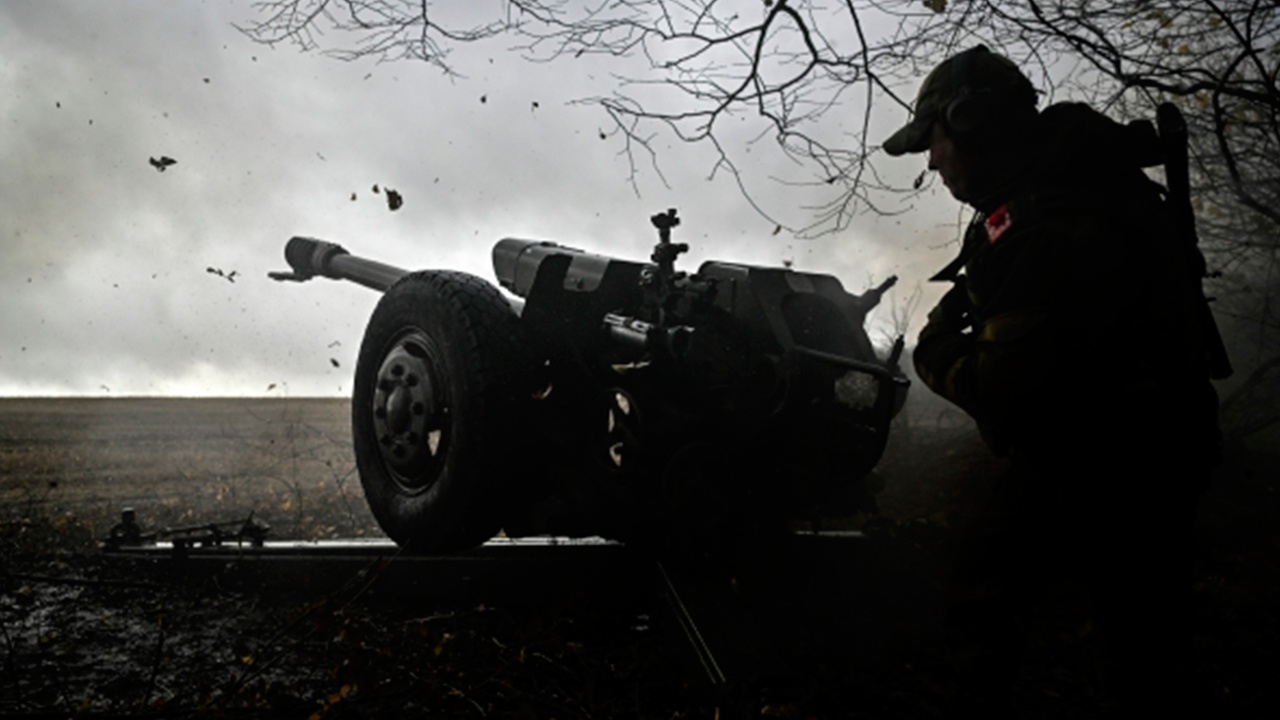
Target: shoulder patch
(998, 222)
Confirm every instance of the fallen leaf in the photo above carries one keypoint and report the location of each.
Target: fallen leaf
(230, 277)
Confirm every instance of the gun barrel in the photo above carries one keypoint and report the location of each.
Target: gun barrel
(309, 257)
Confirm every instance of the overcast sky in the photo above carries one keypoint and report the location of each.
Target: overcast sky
(105, 281)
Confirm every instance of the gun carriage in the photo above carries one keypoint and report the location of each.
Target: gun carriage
(602, 396)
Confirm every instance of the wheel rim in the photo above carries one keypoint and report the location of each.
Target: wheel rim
(624, 432)
(411, 411)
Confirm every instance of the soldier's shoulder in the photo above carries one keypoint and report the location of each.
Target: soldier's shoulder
(1086, 165)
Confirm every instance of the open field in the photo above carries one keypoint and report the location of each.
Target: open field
(182, 461)
(75, 640)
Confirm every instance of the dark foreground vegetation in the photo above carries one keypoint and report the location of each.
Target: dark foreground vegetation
(88, 634)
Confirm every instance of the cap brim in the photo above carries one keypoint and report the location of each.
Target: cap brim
(911, 138)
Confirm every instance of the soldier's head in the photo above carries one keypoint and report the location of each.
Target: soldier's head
(973, 114)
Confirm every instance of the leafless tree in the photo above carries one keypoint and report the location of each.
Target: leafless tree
(696, 65)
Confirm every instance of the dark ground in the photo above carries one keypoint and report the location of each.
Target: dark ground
(851, 628)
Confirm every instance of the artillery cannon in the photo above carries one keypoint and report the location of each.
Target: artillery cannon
(609, 397)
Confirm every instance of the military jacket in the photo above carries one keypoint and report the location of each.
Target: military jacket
(1080, 325)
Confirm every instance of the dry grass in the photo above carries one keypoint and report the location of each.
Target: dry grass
(183, 461)
(75, 463)
(180, 461)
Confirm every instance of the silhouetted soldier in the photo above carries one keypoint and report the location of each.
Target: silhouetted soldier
(1074, 337)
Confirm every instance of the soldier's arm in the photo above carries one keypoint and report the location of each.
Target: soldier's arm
(945, 350)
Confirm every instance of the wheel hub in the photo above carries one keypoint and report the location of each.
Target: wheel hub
(408, 412)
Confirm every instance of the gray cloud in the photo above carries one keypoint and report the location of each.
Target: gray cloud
(104, 276)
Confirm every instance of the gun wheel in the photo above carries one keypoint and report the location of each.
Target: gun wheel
(437, 384)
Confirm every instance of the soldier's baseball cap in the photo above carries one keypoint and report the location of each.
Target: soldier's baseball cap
(974, 72)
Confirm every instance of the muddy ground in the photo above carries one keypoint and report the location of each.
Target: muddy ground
(852, 628)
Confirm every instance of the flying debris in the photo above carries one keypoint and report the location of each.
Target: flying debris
(375, 189)
(272, 386)
(920, 179)
(534, 107)
(777, 229)
(334, 362)
(335, 343)
(230, 277)
(394, 201)
(104, 387)
(484, 99)
(353, 197)
(163, 163)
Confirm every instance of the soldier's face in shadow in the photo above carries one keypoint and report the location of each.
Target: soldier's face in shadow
(950, 162)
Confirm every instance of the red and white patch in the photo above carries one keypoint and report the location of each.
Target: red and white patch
(998, 222)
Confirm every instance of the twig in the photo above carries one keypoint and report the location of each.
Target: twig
(372, 571)
(458, 693)
(155, 665)
(83, 582)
